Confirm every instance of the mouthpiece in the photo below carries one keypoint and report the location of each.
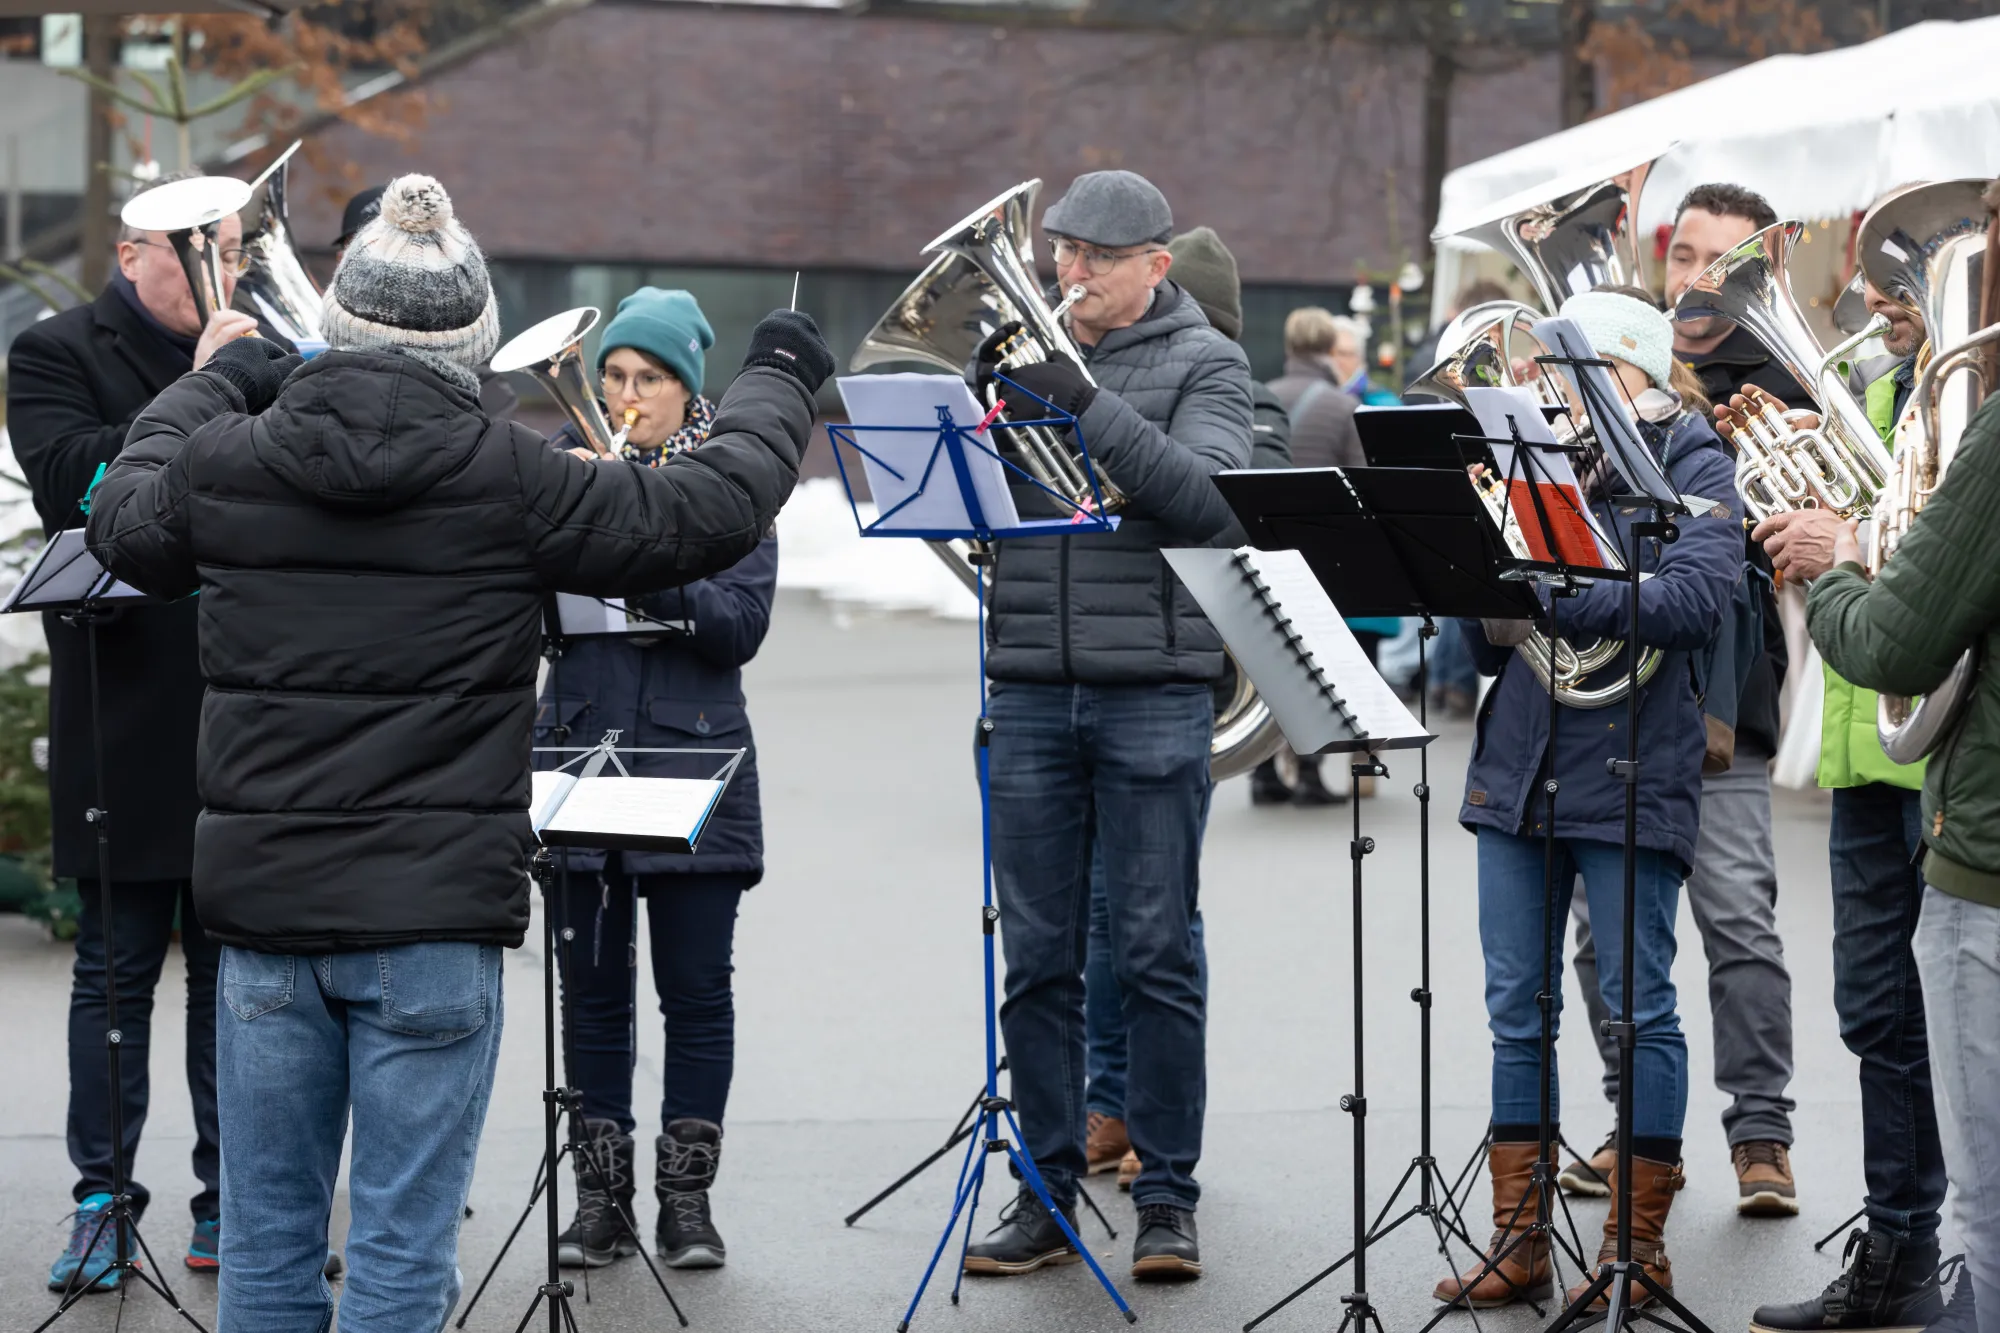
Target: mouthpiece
(1070, 298)
(618, 440)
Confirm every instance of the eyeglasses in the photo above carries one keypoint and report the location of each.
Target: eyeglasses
(646, 384)
(235, 260)
(1095, 262)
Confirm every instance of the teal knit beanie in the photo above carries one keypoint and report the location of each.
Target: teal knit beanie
(666, 325)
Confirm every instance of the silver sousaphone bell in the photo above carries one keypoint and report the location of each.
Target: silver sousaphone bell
(182, 209)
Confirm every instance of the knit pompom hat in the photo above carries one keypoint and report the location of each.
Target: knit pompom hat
(1626, 329)
(414, 280)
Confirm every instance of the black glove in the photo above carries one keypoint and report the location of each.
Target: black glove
(788, 340)
(1057, 381)
(986, 360)
(257, 367)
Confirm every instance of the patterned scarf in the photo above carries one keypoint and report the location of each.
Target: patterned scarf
(700, 418)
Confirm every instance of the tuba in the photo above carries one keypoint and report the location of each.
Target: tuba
(1925, 248)
(1838, 465)
(982, 277)
(277, 283)
(1572, 241)
(552, 352)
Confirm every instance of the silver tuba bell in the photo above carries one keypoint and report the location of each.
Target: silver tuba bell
(277, 284)
(1925, 248)
(552, 352)
(1566, 239)
(186, 209)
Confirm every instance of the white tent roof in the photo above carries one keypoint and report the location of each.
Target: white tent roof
(1818, 135)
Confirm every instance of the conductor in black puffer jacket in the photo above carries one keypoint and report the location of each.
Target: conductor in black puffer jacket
(372, 554)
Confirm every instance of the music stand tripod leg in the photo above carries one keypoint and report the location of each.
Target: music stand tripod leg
(127, 1243)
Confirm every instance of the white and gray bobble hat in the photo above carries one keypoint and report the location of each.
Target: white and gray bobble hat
(413, 280)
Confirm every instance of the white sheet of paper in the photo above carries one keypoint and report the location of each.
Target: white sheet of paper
(913, 400)
(1497, 410)
(546, 791)
(635, 807)
(1332, 644)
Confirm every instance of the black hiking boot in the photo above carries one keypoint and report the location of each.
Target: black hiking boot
(601, 1230)
(1958, 1313)
(690, 1153)
(1889, 1285)
(1165, 1250)
(1026, 1239)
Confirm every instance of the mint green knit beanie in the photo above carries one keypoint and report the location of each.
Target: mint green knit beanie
(666, 325)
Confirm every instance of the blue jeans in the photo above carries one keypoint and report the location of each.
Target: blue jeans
(142, 927)
(691, 923)
(1104, 1003)
(1877, 991)
(1515, 935)
(1124, 768)
(407, 1036)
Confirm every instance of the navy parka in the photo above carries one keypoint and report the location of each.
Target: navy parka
(1681, 607)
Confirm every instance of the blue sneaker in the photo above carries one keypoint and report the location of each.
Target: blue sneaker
(205, 1247)
(83, 1264)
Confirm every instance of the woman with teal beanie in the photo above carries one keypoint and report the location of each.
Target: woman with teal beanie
(673, 691)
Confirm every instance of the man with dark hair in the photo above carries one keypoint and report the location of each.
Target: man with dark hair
(1711, 221)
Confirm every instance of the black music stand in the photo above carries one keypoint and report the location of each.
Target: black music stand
(1391, 541)
(560, 614)
(68, 580)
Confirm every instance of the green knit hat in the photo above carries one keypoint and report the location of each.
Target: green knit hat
(666, 325)
(1206, 271)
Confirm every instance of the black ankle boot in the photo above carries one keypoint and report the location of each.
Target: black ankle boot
(1266, 787)
(1026, 1239)
(690, 1153)
(1890, 1285)
(601, 1230)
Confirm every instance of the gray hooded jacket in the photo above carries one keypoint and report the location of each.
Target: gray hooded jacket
(1104, 608)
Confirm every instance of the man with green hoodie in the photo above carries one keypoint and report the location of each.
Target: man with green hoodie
(1878, 893)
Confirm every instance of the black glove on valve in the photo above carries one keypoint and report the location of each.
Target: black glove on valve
(1057, 381)
(788, 340)
(257, 367)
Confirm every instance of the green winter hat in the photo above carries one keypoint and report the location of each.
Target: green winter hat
(1206, 271)
(666, 325)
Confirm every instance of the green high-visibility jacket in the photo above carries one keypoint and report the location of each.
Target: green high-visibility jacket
(1850, 753)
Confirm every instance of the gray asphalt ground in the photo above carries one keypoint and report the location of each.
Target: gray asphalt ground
(858, 1002)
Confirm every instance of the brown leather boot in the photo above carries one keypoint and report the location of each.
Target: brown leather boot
(1104, 1142)
(1522, 1272)
(1654, 1185)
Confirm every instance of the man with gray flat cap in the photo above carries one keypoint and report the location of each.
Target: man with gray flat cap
(1100, 665)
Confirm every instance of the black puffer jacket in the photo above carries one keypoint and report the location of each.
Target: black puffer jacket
(372, 555)
(1104, 608)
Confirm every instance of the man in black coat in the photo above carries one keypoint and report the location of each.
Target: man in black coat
(372, 553)
(75, 384)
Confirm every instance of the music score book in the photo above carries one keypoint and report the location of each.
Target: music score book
(639, 814)
(1545, 474)
(1288, 636)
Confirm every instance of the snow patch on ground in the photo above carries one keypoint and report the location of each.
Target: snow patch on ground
(821, 550)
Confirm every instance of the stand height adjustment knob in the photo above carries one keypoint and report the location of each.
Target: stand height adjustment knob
(1422, 791)
(1550, 786)
(1354, 1105)
(96, 816)
(988, 917)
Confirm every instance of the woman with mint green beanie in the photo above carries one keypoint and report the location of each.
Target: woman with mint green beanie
(673, 691)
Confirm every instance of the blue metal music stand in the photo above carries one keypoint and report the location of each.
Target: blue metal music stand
(955, 445)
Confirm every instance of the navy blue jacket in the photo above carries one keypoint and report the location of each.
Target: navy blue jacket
(1680, 609)
(679, 691)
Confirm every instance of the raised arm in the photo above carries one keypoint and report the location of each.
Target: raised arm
(1166, 474)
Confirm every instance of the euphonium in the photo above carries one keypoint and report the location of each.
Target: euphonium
(552, 351)
(182, 209)
(277, 282)
(982, 279)
(1573, 240)
(1924, 247)
(1839, 464)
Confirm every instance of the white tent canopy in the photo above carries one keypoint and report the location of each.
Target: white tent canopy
(1818, 135)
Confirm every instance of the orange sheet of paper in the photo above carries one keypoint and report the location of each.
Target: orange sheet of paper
(1575, 546)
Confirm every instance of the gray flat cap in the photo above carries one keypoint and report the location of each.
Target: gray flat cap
(1111, 208)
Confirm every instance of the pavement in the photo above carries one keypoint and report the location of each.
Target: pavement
(858, 1010)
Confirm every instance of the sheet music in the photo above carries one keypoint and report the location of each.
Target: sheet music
(593, 617)
(547, 788)
(1379, 714)
(1502, 413)
(65, 572)
(912, 400)
(673, 808)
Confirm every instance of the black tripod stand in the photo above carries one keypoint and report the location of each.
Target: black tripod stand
(1436, 1202)
(557, 1099)
(127, 1243)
